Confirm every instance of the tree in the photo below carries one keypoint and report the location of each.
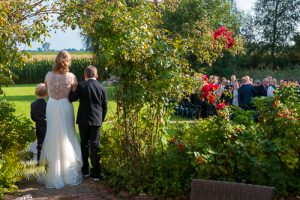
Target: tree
(277, 21)
(46, 46)
(149, 61)
(195, 20)
(21, 22)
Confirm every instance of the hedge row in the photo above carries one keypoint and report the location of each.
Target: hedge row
(35, 71)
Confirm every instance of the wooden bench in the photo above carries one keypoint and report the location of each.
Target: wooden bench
(220, 190)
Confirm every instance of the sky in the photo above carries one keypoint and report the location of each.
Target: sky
(71, 38)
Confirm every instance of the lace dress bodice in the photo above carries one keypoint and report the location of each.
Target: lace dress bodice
(59, 85)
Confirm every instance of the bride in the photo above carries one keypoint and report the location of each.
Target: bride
(61, 151)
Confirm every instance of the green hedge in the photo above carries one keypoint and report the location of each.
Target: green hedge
(35, 71)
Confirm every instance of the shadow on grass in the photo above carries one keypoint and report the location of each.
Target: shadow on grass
(20, 98)
(18, 85)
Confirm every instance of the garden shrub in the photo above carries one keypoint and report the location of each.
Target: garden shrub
(217, 148)
(228, 147)
(16, 132)
(279, 121)
(213, 148)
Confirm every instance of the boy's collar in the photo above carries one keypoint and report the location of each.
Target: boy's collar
(91, 79)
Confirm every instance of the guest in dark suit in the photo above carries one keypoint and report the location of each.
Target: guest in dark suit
(261, 90)
(245, 94)
(91, 114)
(38, 115)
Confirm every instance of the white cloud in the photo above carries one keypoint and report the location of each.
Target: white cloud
(245, 5)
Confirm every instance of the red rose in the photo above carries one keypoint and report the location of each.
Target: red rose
(220, 106)
(211, 98)
(205, 90)
(215, 86)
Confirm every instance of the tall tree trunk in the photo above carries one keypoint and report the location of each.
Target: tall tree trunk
(273, 42)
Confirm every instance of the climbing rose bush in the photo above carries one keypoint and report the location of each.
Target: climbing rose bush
(225, 35)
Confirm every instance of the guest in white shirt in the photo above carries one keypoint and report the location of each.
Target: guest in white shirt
(271, 88)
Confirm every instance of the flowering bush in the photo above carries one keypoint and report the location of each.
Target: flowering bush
(280, 124)
(208, 92)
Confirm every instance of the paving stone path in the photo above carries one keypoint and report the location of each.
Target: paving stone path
(87, 190)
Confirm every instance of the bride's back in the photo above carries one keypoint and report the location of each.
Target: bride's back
(59, 85)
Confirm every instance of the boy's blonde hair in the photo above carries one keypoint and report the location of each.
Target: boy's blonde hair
(40, 90)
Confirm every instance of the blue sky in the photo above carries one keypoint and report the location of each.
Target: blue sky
(71, 38)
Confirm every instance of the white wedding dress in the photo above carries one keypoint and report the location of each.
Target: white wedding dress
(61, 151)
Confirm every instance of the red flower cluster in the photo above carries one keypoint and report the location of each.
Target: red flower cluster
(220, 106)
(207, 92)
(226, 35)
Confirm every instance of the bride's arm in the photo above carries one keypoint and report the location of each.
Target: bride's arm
(74, 86)
(75, 91)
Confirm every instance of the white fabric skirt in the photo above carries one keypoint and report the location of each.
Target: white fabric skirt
(61, 151)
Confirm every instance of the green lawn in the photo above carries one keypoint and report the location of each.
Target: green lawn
(23, 95)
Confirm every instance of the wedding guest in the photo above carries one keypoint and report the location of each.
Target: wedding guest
(38, 115)
(271, 88)
(262, 89)
(227, 92)
(256, 83)
(245, 94)
(222, 86)
(232, 80)
(235, 94)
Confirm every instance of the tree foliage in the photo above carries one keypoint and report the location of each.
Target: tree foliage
(195, 21)
(21, 22)
(277, 22)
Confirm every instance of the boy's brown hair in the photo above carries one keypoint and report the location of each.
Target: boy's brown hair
(90, 71)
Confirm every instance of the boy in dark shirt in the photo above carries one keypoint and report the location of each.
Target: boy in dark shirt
(91, 114)
(38, 115)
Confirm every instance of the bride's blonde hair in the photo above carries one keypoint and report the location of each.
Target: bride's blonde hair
(62, 62)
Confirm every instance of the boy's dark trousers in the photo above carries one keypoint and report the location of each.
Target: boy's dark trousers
(90, 140)
(38, 115)
(41, 127)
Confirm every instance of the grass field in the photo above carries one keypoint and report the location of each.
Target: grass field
(23, 95)
(51, 55)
